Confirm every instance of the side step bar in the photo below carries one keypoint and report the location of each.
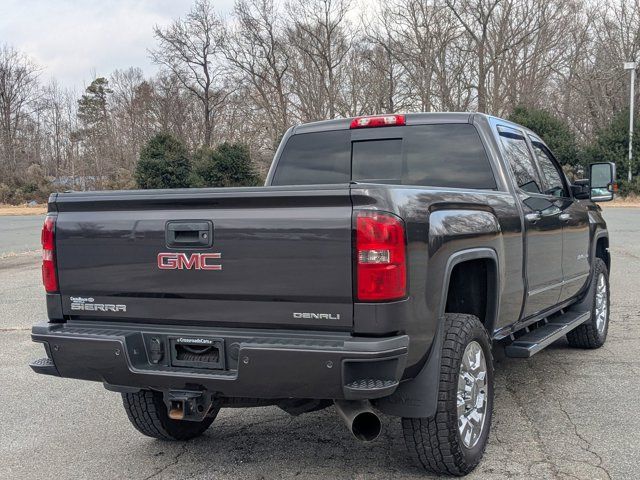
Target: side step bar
(535, 340)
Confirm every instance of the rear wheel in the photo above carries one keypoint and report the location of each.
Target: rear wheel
(147, 412)
(593, 333)
(454, 439)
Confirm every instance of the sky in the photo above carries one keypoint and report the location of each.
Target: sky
(71, 40)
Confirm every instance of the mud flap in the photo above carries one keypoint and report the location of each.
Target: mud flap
(418, 397)
(586, 302)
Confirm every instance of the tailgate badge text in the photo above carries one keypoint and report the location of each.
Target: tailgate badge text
(87, 304)
(317, 316)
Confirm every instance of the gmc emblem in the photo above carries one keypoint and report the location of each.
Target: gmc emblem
(195, 261)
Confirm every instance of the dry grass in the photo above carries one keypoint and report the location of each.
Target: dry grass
(632, 201)
(12, 210)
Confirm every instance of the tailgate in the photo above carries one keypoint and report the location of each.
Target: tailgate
(259, 256)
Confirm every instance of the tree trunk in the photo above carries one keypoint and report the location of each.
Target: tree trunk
(208, 127)
(482, 80)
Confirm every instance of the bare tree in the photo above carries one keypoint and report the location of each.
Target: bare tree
(494, 27)
(616, 39)
(18, 94)
(422, 36)
(189, 48)
(320, 37)
(134, 121)
(55, 126)
(257, 49)
(528, 36)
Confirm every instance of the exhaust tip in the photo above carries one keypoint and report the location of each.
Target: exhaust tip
(366, 426)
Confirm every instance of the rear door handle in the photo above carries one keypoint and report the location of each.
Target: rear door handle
(565, 217)
(195, 234)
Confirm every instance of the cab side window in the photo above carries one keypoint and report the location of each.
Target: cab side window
(517, 152)
(552, 176)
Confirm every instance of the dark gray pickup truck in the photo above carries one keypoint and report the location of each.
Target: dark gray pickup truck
(385, 262)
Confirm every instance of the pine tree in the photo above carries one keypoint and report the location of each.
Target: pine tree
(94, 134)
(92, 106)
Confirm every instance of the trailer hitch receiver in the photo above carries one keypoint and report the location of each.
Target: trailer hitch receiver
(187, 405)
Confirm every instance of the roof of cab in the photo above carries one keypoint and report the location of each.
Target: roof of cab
(418, 118)
(411, 119)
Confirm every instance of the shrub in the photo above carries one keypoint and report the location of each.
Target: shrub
(33, 185)
(121, 179)
(164, 163)
(6, 193)
(228, 165)
(626, 188)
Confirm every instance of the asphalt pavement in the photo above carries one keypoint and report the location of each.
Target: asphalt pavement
(564, 413)
(19, 234)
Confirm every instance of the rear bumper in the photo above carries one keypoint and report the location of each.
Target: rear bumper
(258, 363)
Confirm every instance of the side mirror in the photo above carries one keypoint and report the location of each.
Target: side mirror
(601, 181)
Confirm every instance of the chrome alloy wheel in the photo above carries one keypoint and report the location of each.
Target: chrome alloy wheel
(602, 300)
(472, 394)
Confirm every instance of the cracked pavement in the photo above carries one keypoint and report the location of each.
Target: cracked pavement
(563, 414)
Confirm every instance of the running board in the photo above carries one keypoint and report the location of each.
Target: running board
(532, 342)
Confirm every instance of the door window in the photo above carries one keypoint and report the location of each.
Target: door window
(515, 147)
(552, 175)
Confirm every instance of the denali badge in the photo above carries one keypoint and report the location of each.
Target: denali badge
(86, 304)
(317, 316)
(195, 261)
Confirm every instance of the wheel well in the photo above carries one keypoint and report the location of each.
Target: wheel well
(602, 251)
(472, 288)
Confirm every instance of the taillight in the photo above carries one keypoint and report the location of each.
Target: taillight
(380, 257)
(49, 276)
(378, 121)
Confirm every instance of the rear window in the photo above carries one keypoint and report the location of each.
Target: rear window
(450, 155)
(377, 160)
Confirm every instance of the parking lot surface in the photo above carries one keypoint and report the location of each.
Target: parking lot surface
(19, 234)
(563, 413)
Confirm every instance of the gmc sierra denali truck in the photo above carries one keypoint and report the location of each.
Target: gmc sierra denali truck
(381, 267)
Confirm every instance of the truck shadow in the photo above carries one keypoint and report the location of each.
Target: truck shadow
(269, 443)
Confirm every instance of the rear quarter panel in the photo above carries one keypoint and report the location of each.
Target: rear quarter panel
(440, 223)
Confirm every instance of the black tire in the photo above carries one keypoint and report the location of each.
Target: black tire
(147, 412)
(588, 335)
(435, 442)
